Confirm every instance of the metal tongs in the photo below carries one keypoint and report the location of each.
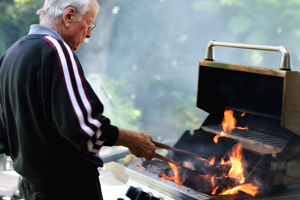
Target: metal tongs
(163, 158)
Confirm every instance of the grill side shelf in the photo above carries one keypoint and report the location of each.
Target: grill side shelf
(252, 139)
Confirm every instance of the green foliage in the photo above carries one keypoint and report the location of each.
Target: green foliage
(181, 114)
(121, 111)
(163, 41)
(273, 22)
(15, 18)
(155, 47)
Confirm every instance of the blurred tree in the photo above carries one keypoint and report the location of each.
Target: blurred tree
(15, 18)
(272, 22)
(153, 51)
(155, 46)
(122, 111)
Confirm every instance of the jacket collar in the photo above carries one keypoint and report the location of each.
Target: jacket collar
(44, 30)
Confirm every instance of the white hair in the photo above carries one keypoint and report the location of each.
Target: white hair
(52, 9)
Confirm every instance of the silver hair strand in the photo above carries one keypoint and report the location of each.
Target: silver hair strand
(52, 9)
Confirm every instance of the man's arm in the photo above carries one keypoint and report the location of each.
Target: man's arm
(139, 143)
(71, 105)
(4, 147)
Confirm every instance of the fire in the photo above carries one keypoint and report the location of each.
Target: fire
(212, 179)
(243, 128)
(212, 161)
(247, 188)
(176, 173)
(223, 162)
(216, 138)
(141, 166)
(188, 164)
(234, 160)
(228, 124)
(214, 192)
(176, 178)
(237, 170)
(203, 159)
(165, 176)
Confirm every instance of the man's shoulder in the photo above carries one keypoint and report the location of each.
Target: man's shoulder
(30, 41)
(31, 46)
(41, 42)
(38, 39)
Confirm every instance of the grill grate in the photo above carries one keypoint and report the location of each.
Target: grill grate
(250, 136)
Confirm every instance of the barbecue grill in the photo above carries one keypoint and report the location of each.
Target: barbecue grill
(266, 102)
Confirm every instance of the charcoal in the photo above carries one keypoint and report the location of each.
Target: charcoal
(225, 182)
(196, 181)
(193, 179)
(156, 166)
(218, 170)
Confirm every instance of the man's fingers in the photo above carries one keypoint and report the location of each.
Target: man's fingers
(139, 143)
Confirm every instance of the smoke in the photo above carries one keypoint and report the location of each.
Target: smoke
(153, 48)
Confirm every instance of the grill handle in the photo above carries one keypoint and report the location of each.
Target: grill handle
(285, 59)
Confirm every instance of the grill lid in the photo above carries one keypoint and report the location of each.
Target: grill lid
(268, 93)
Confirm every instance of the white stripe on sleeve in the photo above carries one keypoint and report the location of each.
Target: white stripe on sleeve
(70, 89)
(83, 96)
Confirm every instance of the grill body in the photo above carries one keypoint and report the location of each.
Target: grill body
(269, 98)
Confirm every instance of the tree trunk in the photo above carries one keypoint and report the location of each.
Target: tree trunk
(93, 55)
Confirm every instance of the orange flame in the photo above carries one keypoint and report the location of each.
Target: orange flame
(176, 173)
(139, 165)
(203, 159)
(235, 160)
(243, 128)
(212, 179)
(237, 170)
(166, 177)
(224, 163)
(188, 165)
(228, 124)
(247, 188)
(214, 192)
(216, 138)
(212, 161)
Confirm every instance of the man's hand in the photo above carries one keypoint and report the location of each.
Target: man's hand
(137, 142)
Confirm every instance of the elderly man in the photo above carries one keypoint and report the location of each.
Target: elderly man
(51, 120)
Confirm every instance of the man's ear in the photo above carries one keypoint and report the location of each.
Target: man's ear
(68, 16)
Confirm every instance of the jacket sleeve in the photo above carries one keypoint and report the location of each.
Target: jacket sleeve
(4, 145)
(70, 102)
